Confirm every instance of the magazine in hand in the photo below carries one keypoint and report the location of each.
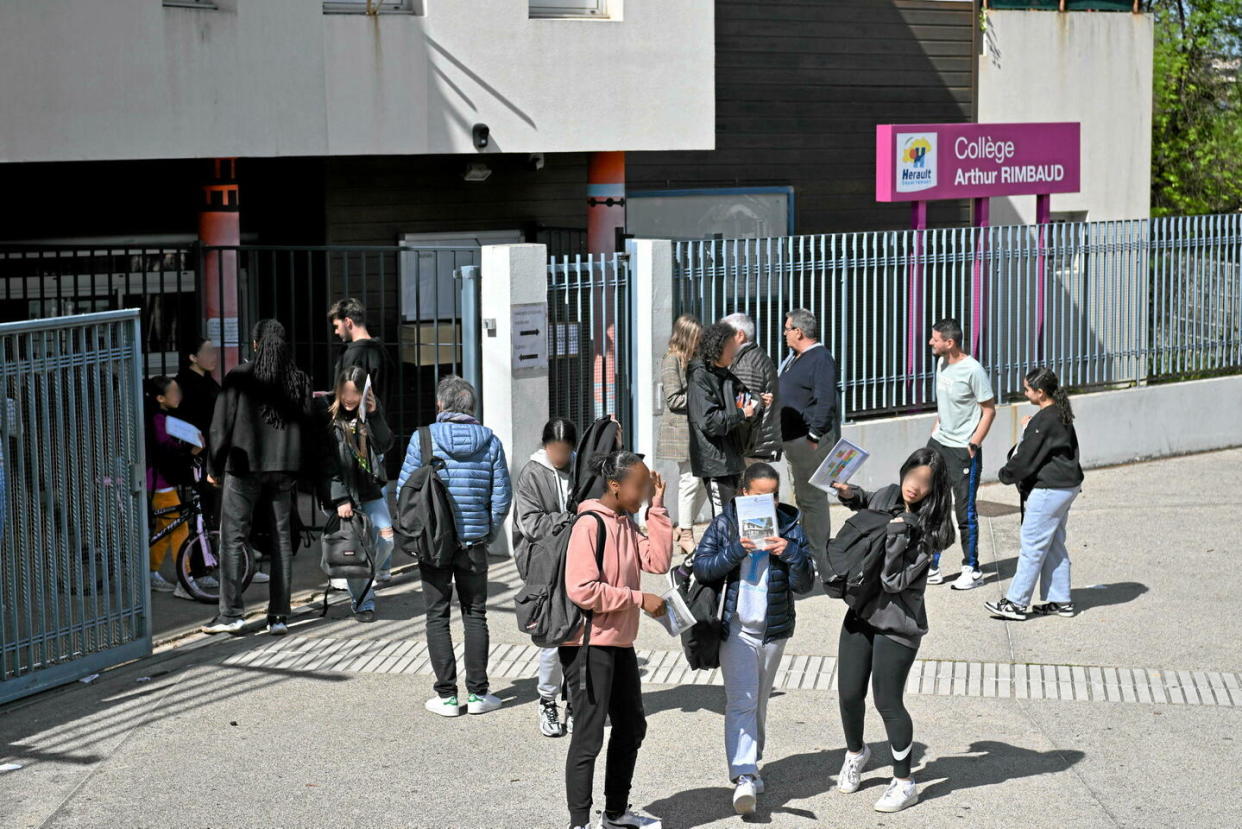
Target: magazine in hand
(183, 431)
(756, 518)
(677, 618)
(842, 462)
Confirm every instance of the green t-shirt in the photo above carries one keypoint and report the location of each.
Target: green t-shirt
(960, 388)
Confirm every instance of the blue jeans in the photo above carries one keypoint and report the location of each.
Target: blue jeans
(381, 521)
(1043, 554)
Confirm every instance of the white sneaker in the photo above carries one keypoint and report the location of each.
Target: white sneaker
(934, 576)
(759, 784)
(444, 706)
(968, 580)
(160, 584)
(476, 704)
(218, 625)
(383, 576)
(260, 577)
(181, 593)
(629, 819)
(850, 777)
(900, 794)
(338, 584)
(744, 795)
(208, 582)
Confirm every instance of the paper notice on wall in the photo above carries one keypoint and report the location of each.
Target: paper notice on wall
(225, 335)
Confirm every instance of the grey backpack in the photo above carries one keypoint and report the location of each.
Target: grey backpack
(543, 607)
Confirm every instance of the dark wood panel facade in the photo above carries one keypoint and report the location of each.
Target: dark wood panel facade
(800, 86)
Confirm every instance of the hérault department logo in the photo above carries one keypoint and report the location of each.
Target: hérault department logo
(916, 161)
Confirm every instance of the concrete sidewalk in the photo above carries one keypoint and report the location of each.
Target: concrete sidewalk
(1126, 715)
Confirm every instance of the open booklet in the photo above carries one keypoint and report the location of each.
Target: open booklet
(842, 462)
(756, 518)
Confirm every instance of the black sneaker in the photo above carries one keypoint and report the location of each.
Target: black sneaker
(1065, 609)
(365, 616)
(1006, 610)
(550, 719)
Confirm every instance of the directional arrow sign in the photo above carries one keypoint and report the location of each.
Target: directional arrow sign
(530, 337)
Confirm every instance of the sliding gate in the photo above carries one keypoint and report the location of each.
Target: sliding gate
(73, 518)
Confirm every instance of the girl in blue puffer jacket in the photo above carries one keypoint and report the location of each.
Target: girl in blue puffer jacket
(758, 619)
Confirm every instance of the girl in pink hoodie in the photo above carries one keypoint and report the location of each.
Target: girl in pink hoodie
(612, 596)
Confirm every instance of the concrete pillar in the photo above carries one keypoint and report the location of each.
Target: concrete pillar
(219, 223)
(516, 398)
(651, 275)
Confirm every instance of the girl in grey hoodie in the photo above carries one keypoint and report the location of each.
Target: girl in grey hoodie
(542, 506)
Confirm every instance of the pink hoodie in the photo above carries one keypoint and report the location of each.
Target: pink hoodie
(615, 595)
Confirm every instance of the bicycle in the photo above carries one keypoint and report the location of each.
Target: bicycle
(197, 561)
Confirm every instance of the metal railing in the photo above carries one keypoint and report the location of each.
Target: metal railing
(73, 517)
(1101, 303)
(591, 339)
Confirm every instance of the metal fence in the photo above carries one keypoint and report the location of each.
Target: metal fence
(591, 339)
(1102, 303)
(73, 517)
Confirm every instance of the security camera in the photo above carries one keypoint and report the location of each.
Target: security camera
(535, 161)
(480, 134)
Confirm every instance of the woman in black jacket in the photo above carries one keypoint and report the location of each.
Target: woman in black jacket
(719, 406)
(880, 639)
(362, 437)
(759, 588)
(1044, 466)
(262, 428)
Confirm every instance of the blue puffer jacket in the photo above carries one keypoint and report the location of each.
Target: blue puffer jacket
(475, 473)
(720, 554)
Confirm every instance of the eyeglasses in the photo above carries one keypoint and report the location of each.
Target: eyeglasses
(788, 329)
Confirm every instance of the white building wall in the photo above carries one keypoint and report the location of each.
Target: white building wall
(1095, 68)
(92, 80)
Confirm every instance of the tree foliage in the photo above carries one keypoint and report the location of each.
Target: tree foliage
(1197, 107)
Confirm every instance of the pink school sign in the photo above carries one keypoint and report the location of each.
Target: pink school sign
(928, 162)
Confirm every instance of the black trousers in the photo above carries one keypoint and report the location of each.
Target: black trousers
(865, 655)
(618, 695)
(964, 474)
(468, 571)
(721, 491)
(242, 493)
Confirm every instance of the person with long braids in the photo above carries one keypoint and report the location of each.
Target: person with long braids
(1045, 468)
(880, 639)
(263, 432)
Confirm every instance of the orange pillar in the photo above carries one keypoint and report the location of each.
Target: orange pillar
(605, 200)
(219, 225)
(605, 215)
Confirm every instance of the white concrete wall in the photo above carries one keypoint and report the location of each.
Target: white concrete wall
(1113, 427)
(1095, 68)
(92, 80)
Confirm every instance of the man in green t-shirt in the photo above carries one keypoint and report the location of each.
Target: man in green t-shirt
(965, 408)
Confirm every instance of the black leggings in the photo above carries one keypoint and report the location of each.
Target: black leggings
(864, 654)
(618, 695)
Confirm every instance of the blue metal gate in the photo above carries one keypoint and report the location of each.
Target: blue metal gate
(73, 523)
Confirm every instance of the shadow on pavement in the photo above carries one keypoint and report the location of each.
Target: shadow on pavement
(687, 698)
(1103, 595)
(804, 776)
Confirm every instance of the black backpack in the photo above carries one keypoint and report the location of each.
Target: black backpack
(701, 643)
(856, 554)
(543, 609)
(347, 551)
(599, 437)
(425, 511)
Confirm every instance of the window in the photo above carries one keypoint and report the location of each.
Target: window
(373, 6)
(569, 8)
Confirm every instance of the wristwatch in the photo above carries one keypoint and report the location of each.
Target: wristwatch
(974, 446)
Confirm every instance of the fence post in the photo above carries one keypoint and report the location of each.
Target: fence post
(513, 276)
(471, 368)
(651, 263)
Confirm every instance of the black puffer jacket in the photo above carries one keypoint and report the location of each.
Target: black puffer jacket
(717, 425)
(720, 555)
(757, 372)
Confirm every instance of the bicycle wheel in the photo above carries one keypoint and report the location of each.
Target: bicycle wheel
(199, 570)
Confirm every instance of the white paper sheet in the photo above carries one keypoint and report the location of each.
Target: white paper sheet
(183, 431)
(677, 618)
